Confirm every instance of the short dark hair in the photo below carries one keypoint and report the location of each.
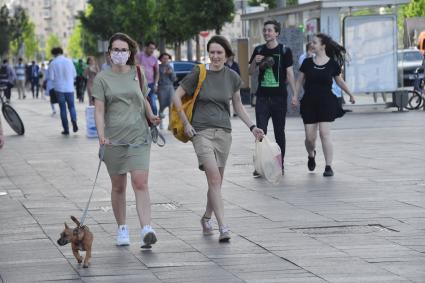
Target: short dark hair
(56, 51)
(275, 23)
(5, 61)
(20, 59)
(132, 45)
(307, 46)
(165, 54)
(221, 40)
(149, 43)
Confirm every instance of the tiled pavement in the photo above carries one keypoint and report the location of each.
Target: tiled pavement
(366, 224)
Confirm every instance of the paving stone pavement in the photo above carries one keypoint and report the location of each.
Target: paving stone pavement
(366, 224)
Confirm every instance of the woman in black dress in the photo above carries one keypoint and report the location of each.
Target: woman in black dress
(319, 106)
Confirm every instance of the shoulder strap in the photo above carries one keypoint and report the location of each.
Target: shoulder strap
(202, 76)
(282, 49)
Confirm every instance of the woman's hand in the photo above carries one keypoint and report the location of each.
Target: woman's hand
(103, 141)
(352, 100)
(189, 130)
(155, 120)
(258, 133)
(294, 102)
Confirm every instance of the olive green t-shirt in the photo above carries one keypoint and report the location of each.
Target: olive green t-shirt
(212, 106)
(125, 119)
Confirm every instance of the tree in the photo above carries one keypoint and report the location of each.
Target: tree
(133, 17)
(75, 49)
(209, 14)
(29, 46)
(416, 8)
(52, 41)
(18, 25)
(4, 30)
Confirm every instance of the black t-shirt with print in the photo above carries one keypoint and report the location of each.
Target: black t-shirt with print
(272, 81)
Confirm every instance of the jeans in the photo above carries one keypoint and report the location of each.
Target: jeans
(35, 87)
(152, 98)
(64, 99)
(274, 107)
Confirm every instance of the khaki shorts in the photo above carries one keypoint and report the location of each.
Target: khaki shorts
(212, 145)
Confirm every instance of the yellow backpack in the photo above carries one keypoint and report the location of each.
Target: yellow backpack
(188, 101)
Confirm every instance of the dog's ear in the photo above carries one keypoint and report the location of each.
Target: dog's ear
(66, 225)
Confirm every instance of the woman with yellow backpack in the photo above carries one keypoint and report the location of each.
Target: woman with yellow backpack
(209, 127)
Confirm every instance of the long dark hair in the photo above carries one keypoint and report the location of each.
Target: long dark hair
(221, 40)
(132, 45)
(333, 49)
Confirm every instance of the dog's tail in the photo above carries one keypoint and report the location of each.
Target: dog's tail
(75, 220)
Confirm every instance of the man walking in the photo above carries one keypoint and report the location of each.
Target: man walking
(151, 68)
(35, 79)
(62, 74)
(274, 62)
(7, 78)
(20, 78)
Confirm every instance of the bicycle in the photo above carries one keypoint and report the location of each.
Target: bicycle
(417, 95)
(10, 114)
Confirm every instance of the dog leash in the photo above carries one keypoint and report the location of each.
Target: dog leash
(101, 155)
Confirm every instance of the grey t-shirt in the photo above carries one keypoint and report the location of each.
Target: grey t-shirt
(212, 106)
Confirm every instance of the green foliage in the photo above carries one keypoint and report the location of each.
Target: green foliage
(133, 17)
(4, 30)
(75, 49)
(19, 26)
(270, 3)
(209, 14)
(52, 41)
(416, 8)
(30, 42)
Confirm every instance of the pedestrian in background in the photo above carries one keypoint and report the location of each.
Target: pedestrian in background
(20, 78)
(232, 64)
(210, 128)
(274, 62)
(167, 77)
(62, 74)
(319, 106)
(80, 82)
(90, 73)
(150, 65)
(7, 78)
(49, 89)
(122, 113)
(35, 79)
(42, 79)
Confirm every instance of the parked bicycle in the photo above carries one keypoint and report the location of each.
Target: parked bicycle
(10, 114)
(417, 95)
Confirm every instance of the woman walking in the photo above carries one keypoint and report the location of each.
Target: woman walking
(167, 76)
(319, 106)
(122, 126)
(210, 128)
(89, 74)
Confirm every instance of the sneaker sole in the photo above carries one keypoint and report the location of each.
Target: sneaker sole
(149, 240)
(224, 239)
(123, 244)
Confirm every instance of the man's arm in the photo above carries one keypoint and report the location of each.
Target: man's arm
(291, 78)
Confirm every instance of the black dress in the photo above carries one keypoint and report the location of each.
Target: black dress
(319, 104)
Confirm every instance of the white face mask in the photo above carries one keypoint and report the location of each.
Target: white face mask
(119, 58)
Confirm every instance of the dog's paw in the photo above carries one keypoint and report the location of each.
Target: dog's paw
(80, 260)
(86, 265)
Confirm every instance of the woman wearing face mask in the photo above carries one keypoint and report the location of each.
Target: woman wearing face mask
(319, 106)
(211, 129)
(122, 126)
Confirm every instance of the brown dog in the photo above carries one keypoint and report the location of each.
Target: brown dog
(81, 239)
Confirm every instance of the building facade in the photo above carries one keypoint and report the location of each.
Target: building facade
(56, 17)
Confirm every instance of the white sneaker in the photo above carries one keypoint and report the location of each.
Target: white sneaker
(123, 238)
(148, 237)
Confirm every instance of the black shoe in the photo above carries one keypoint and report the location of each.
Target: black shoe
(255, 174)
(328, 171)
(65, 133)
(74, 127)
(311, 164)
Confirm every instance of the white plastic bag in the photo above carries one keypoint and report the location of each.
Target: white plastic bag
(268, 160)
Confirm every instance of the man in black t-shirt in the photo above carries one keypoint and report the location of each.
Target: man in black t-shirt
(274, 61)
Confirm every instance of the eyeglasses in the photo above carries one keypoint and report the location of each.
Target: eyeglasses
(118, 50)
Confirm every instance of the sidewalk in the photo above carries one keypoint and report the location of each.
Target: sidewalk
(366, 224)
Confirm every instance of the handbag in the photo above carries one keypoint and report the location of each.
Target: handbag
(157, 137)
